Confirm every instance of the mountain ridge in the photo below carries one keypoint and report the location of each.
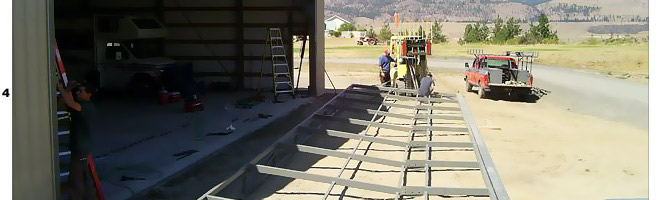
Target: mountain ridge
(487, 10)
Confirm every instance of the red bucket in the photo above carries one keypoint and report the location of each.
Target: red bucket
(163, 97)
(175, 97)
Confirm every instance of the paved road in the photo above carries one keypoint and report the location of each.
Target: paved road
(582, 92)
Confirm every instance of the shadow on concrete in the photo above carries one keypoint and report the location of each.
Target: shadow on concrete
(247, 184)
(203, 175)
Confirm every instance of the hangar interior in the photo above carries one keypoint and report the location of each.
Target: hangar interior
(211, 51)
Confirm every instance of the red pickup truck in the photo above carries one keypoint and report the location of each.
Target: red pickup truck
(509, 73)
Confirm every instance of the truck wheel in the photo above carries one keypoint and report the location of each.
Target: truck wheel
(359, 43)
(481, 92)
(469, 86)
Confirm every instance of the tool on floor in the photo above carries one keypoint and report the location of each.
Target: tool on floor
(219, 133)
(264, 116)
(184, 154)
(130, 178)
(194, 104)
(280, 68)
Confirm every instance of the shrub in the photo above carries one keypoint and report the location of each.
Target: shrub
(514, 41)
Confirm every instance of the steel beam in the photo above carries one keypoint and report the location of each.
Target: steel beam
(413, 144)
(490, 175)
(424, 99)
(411, 91)
(393, 127)
(441, 144)
(446, 191)
(441, 163)
(422, 107)
(325, 179)
(396, 115)
(406, 190)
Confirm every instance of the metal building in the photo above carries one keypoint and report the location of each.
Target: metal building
(223, 39)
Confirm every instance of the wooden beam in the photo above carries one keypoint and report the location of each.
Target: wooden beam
(280, 8)
(232, 25)
(214, 57)
(175, 41)
(239, 47)
(229, 74)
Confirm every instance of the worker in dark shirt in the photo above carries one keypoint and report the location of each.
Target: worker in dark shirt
(82, 116)
(427, 86)
(385, 68)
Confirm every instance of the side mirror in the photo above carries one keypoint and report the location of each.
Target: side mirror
(466, 65)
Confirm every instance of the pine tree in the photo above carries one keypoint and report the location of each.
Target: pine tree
(541, 33)
(437, 34)
(499, 32)
(371, 33)
(385, 33)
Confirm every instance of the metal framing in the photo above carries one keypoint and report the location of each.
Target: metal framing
(268, 163)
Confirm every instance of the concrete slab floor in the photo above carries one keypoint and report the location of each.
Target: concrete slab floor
(285, 188)
(138, 139)
(198, 178)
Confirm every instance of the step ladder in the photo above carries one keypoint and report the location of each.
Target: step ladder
(64, 134)
(282, 78)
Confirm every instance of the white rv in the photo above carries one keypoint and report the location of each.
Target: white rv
(128, 51)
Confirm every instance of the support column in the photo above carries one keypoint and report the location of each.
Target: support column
(317, 50)
(34, 158)
(239, 68)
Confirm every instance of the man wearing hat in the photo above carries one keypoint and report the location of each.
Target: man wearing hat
(385, 64)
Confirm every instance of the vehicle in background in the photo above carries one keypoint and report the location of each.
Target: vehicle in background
(367, 40)
(129, 52)
(509, 73)
(410, 52)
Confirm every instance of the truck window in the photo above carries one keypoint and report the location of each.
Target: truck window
(498, 63)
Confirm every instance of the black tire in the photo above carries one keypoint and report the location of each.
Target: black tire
(359, 43)
(481, 92)
(468, 86)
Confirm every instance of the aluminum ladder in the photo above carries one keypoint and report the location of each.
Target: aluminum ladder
(282, 78)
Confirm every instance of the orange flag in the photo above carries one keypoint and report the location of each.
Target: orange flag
(396, 18)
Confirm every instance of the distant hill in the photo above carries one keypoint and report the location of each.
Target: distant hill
(485, 10)
(530, 2)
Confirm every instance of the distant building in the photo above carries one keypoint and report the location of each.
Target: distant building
(333, 23)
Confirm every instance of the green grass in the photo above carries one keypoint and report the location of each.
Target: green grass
(628, 60)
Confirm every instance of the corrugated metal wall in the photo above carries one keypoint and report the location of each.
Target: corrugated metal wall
(33, 152)
(225, 39)
(219, 37)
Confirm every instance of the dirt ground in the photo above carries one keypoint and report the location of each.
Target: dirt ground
(544, 150)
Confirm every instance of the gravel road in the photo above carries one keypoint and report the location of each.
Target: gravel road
(582, 92)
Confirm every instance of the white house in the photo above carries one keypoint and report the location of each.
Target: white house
(333, 23)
